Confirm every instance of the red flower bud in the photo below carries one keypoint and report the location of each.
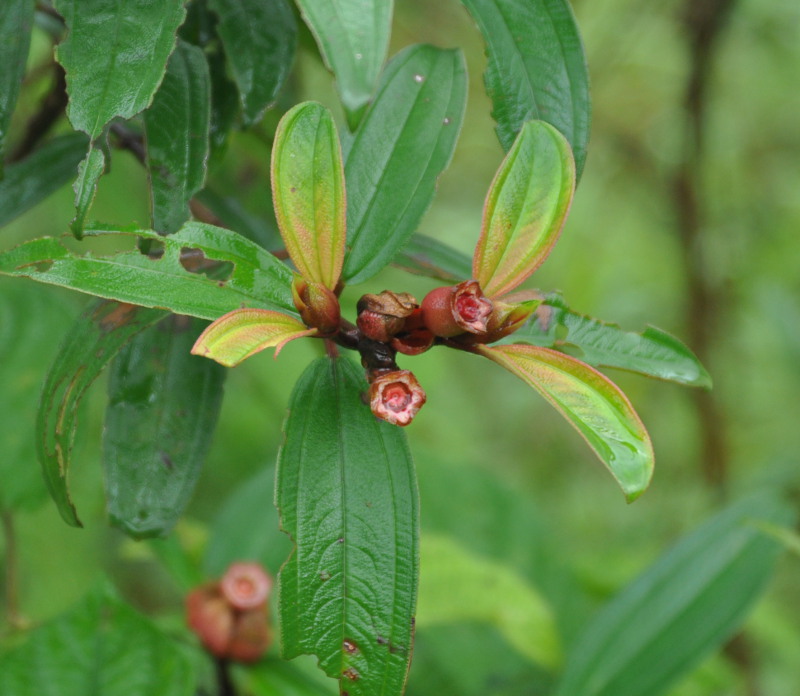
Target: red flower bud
(318, 306)
(508, 315)
(396, 396)
(246, 585)
(251, 636)
(415, 338)
(454, 310)
(211, 618)
(382, 316)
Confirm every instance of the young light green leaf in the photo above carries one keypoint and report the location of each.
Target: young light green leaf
(460, 587)
(594, 406)
(353, 37)
(308, 192)
(525, 208)
(89, 172)
(402, 146)
(162, 411)
(30, 181)
(653, 353)
(537, 68)
(172, 281)
(115, 55)
(98, 648)
(16, 23)
(95, 338)
(680, 609)
(259, 39)
(346, 492)
(244, 332)
(429, 257)
(176, 131)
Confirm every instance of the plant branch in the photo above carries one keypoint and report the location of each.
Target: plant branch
(224, 682)
(51, 109)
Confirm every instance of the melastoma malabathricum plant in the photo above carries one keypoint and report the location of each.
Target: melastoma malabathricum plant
(524, 212)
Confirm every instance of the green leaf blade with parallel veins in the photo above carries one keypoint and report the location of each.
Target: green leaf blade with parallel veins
(95, 338)
(258, 279)
(353, 37)
(405, 141)
(525, 208)
(308, 191)
(16, 23)
(176, 132)
(162, 412)
(346, 491)
(115, 55)
(592, 404)
(260, 38)
(537, 68)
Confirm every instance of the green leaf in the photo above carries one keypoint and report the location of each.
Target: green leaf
(353, 37)
(459, 587)
(272, 677)
(346, 491)
(95, 338)
(525, 208)
(162, 412)
(30, 181)
(429, 257)
(537, 68)
(258, 279)
(89, 172)
(403, 144)
(308, 192)
(102, 647)
(653, 353)
(115, 55)
(176, 130)
(25, 345)
(260, 38)
(245, 332)
(594, 406)
(680, 609)
(224, 104)
(235, 217)
(16, 23)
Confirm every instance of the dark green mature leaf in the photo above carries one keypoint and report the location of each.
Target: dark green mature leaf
(30, 181)
(537, 69)
(260, 37)
(103, 647)
(653, 353)
(404, 143)
(680, 609)
(95, 338)
(258, 279)
(16, 23)
(25, 345)
(353, 37)
(234, 216)
(89, 172)
(346, 491)
(176, 130)
(115, 55)
(429, 257)
(162, 413)
(272, 677)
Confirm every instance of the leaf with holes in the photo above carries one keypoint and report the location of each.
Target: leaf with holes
(592, 404)
(537, 68)
(405, 141)
(162, 412)
(95, 338)
(308, 192)
(245, 332)
(525, 208)
(346, 492)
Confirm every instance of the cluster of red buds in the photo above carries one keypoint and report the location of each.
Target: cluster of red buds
(230, 616)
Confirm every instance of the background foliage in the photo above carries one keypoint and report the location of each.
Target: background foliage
(517, 492)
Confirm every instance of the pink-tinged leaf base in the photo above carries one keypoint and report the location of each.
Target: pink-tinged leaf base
(308, 191)
(244, 332)
(525, 208)
(592, 403)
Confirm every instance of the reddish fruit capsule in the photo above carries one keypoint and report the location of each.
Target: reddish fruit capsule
(246, 585)
(396, 396)
(457, 309)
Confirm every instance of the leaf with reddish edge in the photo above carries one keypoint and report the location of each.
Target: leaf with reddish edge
(244, 332)
(592, 403)
(525, 208)
(308, 192)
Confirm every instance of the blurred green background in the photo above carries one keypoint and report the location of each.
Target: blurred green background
(624, 256)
